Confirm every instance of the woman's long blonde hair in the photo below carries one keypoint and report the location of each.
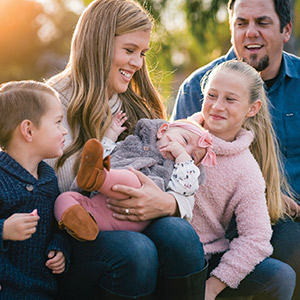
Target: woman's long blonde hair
(88, 71)
(264, 146)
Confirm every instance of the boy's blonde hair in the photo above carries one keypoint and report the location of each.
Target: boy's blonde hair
(89, 68)
(19, 101)
(264, 146)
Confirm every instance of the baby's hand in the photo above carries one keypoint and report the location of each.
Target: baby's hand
(175, 151)
(56, 261)
(115, 128)
(20, 227)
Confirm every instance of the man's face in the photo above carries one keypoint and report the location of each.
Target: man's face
(256, 36)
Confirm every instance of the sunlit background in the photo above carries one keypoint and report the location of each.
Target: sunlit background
(35, 38)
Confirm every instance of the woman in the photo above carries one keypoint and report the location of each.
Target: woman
(106, 73)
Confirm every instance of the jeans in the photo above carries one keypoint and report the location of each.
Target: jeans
(180, 251)
(271, 279)
(286, 243)
(127, 263)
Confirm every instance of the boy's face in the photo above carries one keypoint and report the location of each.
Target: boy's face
(49, 135)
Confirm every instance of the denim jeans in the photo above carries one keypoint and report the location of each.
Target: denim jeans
(180, 251)
(128, 263)
(271, 279)
(286, 244)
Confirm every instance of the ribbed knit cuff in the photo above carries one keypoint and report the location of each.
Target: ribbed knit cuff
(4, 245)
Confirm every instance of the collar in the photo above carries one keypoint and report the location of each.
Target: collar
(12, 167)
(230, 54)
(291, 65)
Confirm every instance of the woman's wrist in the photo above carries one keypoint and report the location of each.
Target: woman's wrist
(171, 208)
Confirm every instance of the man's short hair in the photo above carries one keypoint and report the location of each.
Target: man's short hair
(282, 9)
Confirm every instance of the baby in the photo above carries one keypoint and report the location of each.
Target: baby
(169, 153)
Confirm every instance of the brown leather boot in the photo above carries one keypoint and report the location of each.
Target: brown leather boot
(79, 223)
(91, 173)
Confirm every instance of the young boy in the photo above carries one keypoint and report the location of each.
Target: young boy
(30, 251)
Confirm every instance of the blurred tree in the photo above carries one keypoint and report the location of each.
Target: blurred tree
(33, 41)
(18, 38)
(35, 38)
(189, 33)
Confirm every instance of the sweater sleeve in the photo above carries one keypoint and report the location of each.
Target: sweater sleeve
(108, 146)
(60, 242)
(254, 231)
(184, 179)
(4, 245)
(185, 205)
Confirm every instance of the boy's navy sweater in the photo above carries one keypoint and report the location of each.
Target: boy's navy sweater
(23, 274)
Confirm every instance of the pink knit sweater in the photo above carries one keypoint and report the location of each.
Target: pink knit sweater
(234, 186)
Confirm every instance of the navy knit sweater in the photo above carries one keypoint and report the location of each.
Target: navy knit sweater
(23, 274)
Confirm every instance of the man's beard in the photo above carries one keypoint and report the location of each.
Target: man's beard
(262, 64)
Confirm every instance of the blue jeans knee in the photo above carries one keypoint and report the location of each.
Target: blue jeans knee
(179, 249)
(134, 268)
(271, 279)
(121, 262)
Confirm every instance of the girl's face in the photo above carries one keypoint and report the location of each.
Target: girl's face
(49, 136)
(226, 104)
(129, 53)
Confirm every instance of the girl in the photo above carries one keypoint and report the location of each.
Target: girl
(235, 112)
(106, 73)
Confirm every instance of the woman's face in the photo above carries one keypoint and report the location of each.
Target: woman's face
(129, 52)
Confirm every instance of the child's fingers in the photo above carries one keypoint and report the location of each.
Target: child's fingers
(56, 263)
(29, 232)
(122, 120)
(58, 270)
(34, 212)
(55, 258)
(51, 254)
(120, 117)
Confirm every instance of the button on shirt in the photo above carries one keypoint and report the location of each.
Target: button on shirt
(29, 187)
(284, 96)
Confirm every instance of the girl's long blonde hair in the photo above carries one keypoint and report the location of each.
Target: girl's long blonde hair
(88, 71)
(264, 146)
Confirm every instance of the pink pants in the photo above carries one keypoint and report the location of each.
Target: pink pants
(97, 206)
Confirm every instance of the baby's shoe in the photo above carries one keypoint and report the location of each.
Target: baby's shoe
(91, 172)
(79, 223)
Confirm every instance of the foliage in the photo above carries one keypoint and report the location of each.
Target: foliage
(35, 38)
(34, 42)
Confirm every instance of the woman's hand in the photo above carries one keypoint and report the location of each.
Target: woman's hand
(20, 227)
(56, 261)
(145, 203)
